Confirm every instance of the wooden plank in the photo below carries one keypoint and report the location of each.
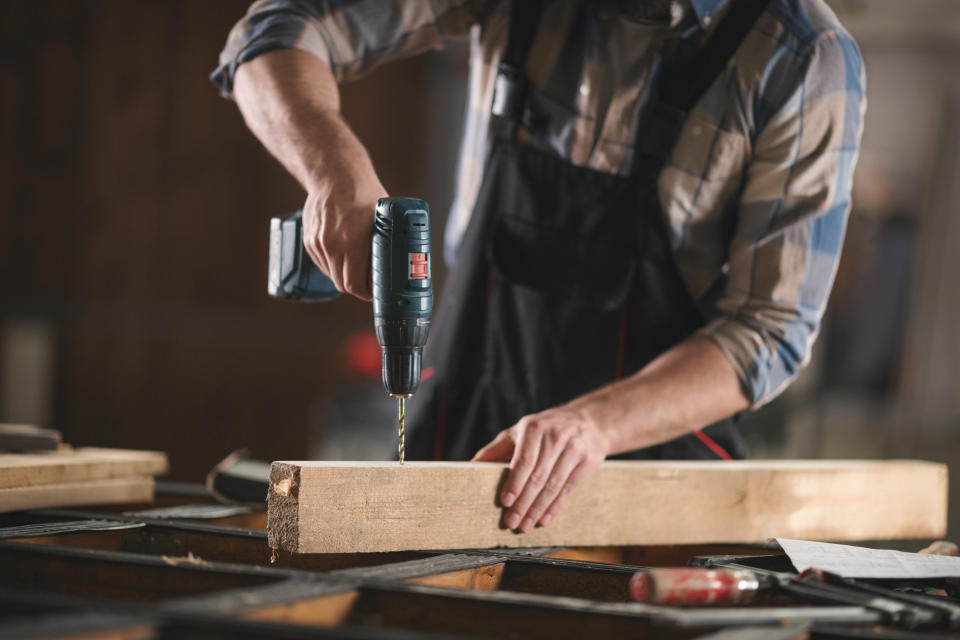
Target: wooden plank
(77, 465)
(69, 494)
(342, 507)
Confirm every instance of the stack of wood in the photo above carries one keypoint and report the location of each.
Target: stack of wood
(37, 470)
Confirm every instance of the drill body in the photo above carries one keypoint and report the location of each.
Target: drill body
(402, 279)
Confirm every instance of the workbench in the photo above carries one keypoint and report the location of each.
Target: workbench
(187, 567)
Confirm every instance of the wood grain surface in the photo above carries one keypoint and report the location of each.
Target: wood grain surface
(344, 507)
(77, 465)
(70, 494)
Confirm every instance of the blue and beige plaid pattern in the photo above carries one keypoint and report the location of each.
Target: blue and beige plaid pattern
(757, 188)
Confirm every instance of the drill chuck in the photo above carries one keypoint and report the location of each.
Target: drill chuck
(402, 343)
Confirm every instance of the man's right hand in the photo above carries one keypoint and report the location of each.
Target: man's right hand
(336, 235)
(290, 100)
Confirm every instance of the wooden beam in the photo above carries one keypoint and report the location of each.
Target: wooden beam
(77, 465)
(343, 507)
(72, 494)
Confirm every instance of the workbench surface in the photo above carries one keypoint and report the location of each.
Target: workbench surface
(188, 567)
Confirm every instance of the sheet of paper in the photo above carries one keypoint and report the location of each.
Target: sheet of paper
(860, 562)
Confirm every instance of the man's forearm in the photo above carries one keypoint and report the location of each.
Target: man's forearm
(290, 100)
(687, 387)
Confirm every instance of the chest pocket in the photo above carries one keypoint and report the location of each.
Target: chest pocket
(704, 149)
(580, 243)
(590, 270)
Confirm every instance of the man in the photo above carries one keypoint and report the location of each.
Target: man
(645, 232)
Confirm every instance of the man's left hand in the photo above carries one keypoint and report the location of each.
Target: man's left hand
(550, 452)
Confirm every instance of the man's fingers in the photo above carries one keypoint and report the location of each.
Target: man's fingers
(500, 448)
(330, 247)
(356, 262)
(336, 272)
(310, 219)
(575, 477)
(312, 245)
(560, 478)
(541, 477)
(354, 274)
(525, 455)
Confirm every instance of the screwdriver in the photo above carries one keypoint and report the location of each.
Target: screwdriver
(692, 586)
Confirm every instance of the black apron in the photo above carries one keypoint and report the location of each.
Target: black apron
(565, 279)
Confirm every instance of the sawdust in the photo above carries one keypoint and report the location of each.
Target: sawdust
(190, 559)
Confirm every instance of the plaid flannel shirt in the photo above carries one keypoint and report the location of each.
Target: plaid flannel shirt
(757, 188)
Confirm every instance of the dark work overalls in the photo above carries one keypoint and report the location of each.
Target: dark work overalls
(565, 279)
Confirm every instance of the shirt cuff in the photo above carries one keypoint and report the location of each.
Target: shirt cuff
(747, 353)
(262, 32)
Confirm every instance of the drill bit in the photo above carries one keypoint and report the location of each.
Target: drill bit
(401, 418)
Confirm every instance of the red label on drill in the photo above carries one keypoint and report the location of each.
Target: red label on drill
(419, 267)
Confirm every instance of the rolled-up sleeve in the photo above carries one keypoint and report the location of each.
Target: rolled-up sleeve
(352, 36)
(792, 218)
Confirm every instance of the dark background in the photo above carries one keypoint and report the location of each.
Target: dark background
(133, 245)
(134, 230)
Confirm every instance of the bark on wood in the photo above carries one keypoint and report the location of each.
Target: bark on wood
(344, 507)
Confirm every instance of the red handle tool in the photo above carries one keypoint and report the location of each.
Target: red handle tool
(689, 586)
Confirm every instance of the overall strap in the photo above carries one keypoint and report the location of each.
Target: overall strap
(511, 85)
(681, 84)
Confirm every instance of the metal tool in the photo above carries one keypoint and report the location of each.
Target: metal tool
(402, 279)
(41, 529)
(903, 610)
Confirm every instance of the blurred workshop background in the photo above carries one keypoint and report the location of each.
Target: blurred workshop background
(133, 246)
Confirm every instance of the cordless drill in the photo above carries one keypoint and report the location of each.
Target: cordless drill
(402, 279)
